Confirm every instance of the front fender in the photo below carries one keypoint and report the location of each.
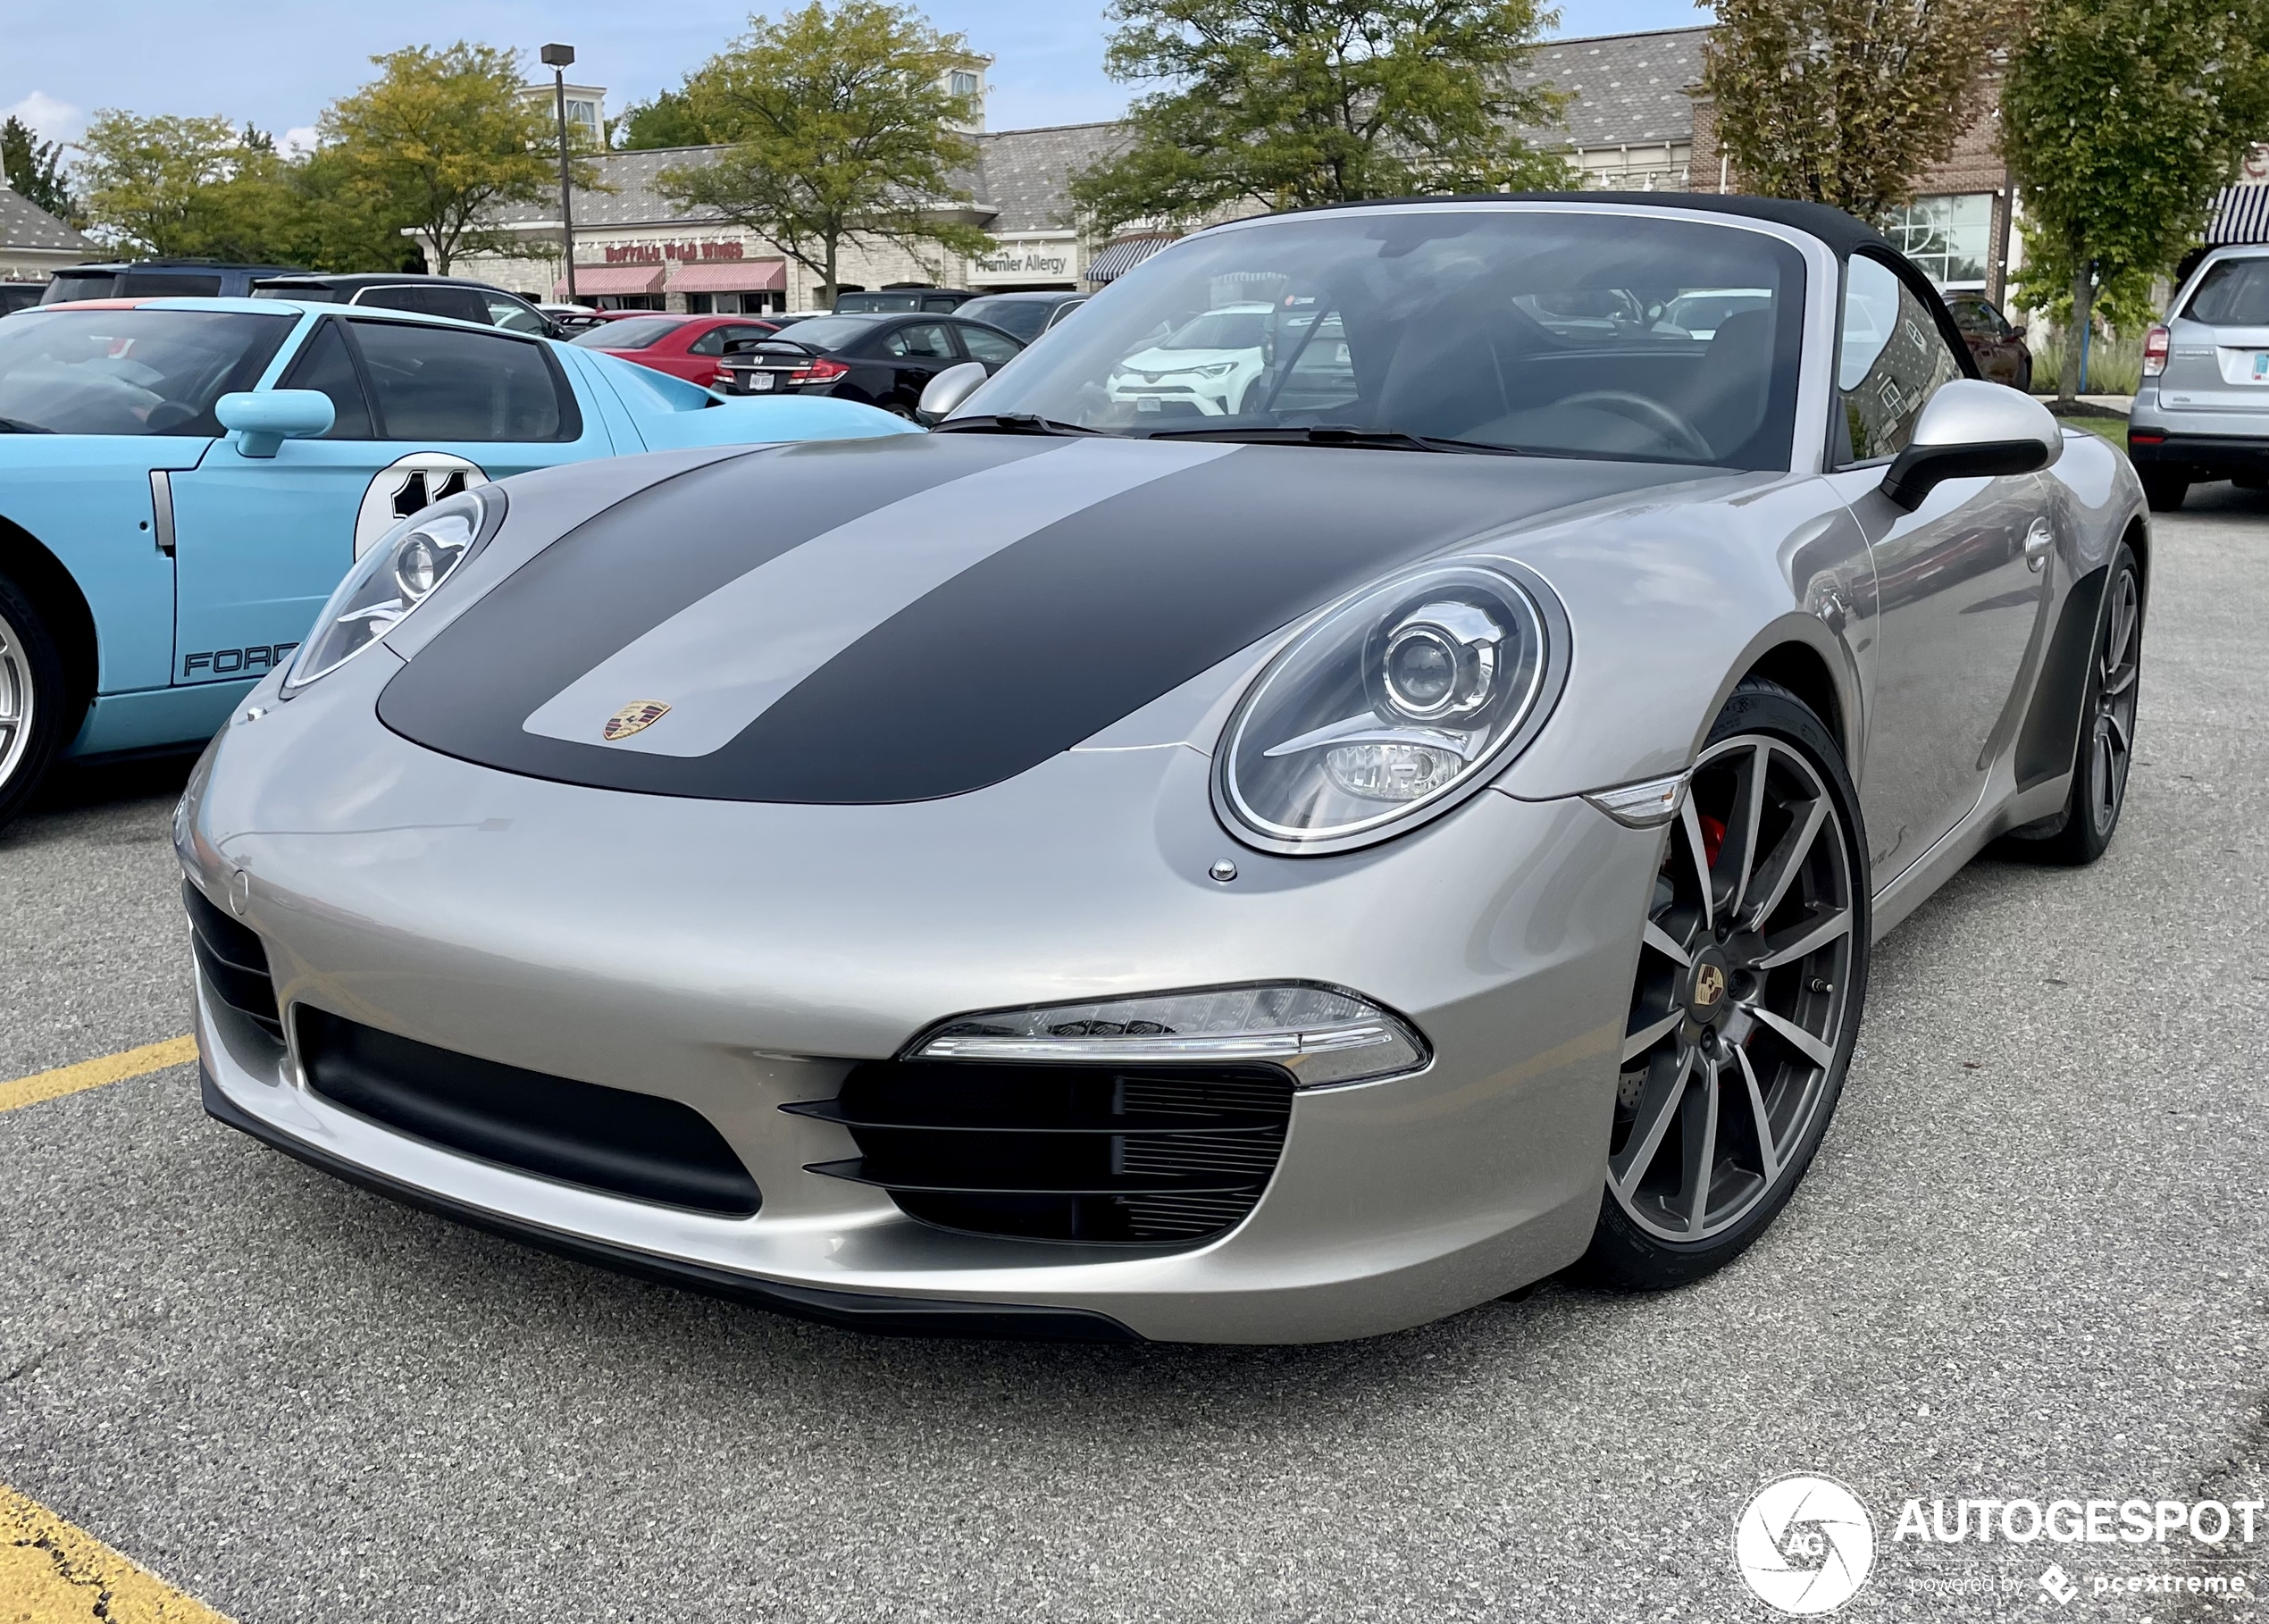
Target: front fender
(1671, 604)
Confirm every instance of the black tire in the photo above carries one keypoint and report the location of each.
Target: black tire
(2105, 746)
(2163, 491)
(1820, 989)
(31, 681)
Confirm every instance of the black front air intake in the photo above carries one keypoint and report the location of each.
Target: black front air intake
(607, 1139)
(234, 962)
(1110, 1155)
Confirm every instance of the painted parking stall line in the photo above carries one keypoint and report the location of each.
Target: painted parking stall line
(93, 1073)
(53, 1573)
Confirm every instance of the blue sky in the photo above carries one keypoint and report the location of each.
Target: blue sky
(276, 64)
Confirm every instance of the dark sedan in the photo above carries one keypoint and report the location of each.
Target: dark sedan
(884, 361)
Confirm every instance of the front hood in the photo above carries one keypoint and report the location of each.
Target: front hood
(902, 619)
(1183, 360)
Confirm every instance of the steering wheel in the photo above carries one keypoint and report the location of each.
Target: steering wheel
(1676, 431)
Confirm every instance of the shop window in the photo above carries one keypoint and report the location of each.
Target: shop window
(1949, 238)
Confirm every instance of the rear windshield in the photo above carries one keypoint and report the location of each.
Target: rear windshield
(831, 331)
(129, 372)
(633, 334)
(317, 294)
(2234, 293)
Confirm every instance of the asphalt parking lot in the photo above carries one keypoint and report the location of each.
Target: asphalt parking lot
(2026, 1263)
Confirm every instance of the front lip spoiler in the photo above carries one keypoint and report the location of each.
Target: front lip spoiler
(849, 1310)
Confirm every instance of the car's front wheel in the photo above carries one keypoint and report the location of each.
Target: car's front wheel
(1752, 972)
(32, 699)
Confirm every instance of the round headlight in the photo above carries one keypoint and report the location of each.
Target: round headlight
(402, 569)
(1390, 707)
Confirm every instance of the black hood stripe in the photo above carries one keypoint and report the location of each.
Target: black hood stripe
(723, 660)
(1032, 649)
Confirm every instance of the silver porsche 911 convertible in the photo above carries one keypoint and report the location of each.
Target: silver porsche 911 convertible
(1155, 860)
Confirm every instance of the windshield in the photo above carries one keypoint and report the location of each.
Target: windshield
(1023, 317)
(636, 333)
(1516, 329)
(129, 372)
(2233, 293)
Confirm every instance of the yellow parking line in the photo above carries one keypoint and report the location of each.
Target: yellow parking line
(53, 1573)
(93, 1074)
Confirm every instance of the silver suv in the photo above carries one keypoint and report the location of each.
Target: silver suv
(2202, 412)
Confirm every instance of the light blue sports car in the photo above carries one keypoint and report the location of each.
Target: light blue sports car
(183, 482)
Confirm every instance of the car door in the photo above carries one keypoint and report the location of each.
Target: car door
(915, 352)
(704, 363)
(422, 410)
(1959, 599)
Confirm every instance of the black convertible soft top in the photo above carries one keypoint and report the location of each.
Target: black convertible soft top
(1840, 232)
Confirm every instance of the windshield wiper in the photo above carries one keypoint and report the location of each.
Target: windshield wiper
(1009, 423)
(1337, 434)
(17, 425)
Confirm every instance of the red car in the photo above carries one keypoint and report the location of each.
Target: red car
(688, 346)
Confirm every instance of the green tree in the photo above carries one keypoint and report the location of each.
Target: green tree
(2120, 120)
(440, 140)
(666, 121)
(1847, 102)
(34, 168)
(190, 187)
(1290, 103)
(840, 126)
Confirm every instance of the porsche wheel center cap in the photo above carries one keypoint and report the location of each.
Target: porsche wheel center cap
(1707, 983)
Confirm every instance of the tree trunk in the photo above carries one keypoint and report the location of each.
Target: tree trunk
(827, 287)
(2076, 333)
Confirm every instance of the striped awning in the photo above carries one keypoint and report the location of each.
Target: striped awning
(1120, 257)
(2240, 214)
(614, 280)
(730, 276)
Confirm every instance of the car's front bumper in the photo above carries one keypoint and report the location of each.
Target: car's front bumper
(740, 958)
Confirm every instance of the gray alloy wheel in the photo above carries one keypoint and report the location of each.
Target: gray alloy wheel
(31, 692)
(2083, 829)
(1746, 1001)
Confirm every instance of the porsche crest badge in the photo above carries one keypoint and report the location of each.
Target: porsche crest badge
(634, 718)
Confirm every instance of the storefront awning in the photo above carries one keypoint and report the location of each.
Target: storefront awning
(2240, 214)
(613, 280)
(1120, 257)
(731, 276)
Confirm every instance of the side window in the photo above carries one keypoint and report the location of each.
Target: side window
(988, 348)
(1974, 316)
(925, 340)
(1893, 359)
(710, 343)
(447, 383)
(325, 366)
(463, 303)
(514, 316)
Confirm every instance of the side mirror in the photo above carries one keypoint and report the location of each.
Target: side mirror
(260, 422)
(1972, 429)
(950, 388)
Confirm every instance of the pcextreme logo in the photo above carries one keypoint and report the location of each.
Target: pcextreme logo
(1804, 1544)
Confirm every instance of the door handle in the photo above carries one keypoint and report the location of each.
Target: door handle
(2039, 542)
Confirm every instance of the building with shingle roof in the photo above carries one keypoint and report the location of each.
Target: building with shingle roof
(34, 244)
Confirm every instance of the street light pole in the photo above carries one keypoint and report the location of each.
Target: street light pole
(559, 58)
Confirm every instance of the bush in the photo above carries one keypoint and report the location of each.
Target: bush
(2115, 361)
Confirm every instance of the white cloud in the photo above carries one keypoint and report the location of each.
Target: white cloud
(55, 119)
(297, 141)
